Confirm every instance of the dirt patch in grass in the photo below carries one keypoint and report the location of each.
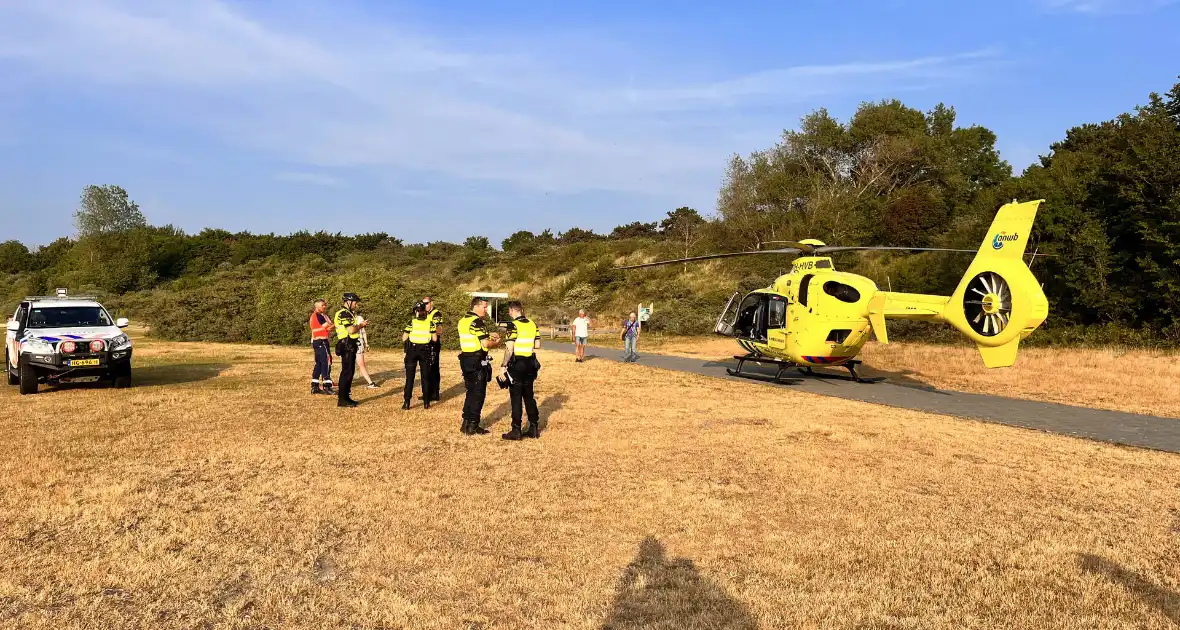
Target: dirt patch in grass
(653, 500)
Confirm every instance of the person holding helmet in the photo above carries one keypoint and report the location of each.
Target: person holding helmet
(520, 367)
(348, 334)
(474, 342)
(417, 337)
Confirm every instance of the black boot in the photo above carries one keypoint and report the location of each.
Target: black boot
(406, 405)
(315, 388)
(426, 404)
(514, 434)
(534, 430)
(346, 402)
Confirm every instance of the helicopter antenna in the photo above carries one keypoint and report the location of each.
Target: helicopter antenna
(888, 283)
(1033, 260)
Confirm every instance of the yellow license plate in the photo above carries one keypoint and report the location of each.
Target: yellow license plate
(83, 362)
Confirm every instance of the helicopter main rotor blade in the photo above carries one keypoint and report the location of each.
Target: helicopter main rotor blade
(790, 250)
(828, 249)
(810, 250)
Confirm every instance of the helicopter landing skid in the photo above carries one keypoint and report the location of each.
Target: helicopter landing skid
(850, 365)
(756, 358)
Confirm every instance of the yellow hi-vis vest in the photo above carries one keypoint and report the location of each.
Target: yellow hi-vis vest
(525, 338)
(420, 331)
(343, 319)
(470, 330)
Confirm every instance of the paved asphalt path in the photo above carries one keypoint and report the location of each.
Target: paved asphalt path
(1116, 427)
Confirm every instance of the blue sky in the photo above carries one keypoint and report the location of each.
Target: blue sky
(433, 120)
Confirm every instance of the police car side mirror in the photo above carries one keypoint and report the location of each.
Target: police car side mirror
(13, 325)
(121, 322)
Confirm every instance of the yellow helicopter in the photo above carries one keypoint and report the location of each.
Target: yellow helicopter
(815, 316)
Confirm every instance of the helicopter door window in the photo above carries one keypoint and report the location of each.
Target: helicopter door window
(803, 284)
(777, 313)
(751, 317)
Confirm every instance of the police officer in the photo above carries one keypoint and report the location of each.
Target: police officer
(474, 342)
(348, 334)
(435, 349)
(417, 337)
(520, 368)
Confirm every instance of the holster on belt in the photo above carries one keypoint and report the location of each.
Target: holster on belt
(346, 345)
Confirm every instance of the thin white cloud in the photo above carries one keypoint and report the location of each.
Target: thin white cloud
(392, 98)
(1106, 7)
(316, 179)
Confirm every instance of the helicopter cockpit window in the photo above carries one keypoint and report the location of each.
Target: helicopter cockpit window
(842, 292)
(823, 264)
(776, 316)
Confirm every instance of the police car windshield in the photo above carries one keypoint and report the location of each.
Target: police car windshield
(68, 317)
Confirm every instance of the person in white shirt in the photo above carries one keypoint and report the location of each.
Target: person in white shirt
(580, 330)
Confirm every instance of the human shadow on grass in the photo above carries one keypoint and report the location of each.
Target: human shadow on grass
(176, 374)
(1165, 601)
(545, 408)
(660, 592)
(393, 382)
(387, 377)
(548, 406)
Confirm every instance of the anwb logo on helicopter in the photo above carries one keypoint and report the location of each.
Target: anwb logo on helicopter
(1003, 237)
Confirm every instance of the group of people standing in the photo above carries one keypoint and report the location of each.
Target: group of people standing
(580, 331)
(423, 344)
(321, 333)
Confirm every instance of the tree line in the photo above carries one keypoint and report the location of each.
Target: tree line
(889, 175)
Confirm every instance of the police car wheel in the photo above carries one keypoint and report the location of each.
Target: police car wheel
(13, 378)
(28, 378)
(121, 377)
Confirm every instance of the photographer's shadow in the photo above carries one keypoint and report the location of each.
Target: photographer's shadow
(660, 592)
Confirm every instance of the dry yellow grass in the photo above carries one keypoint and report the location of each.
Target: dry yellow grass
(1139, 381)
(219, 494)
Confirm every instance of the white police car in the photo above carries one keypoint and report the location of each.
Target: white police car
(61, 339)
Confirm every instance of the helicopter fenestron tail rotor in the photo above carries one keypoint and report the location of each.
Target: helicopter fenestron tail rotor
(987, 303)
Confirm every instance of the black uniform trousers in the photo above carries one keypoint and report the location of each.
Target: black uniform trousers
(523, 371)
(323, 364)
(435, 377)
(475, 378)
(346, 350)
(418, 357)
